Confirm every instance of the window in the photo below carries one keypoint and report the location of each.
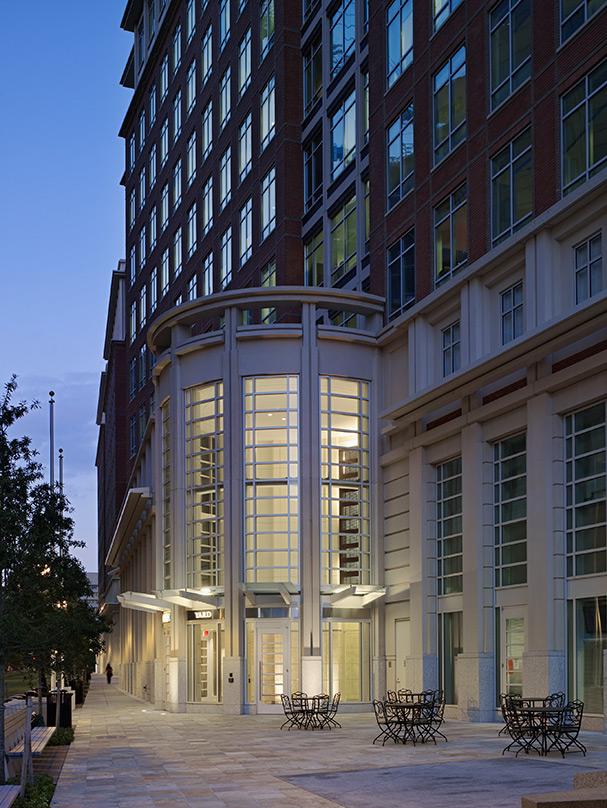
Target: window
(511, 304)
(224, 23)
(204, 485)
(143, 305)
(312, 70)
(131, 152)
(142, 188)
(244, 62)
(586, 646)
(343, 240)
(344, 447)
(586, 501)
(153, 227)
(271, 473)
(510, 505)
(266, 27)
(178, 299)
(177, 185)
(207, 275)
(142, 248)
(153, 165)
(176, 48)
(190, 20)
(589, 279)
(399, 38)
(225, 178)
(132, 377)
(442, 10)
(574, 14)
(151, 20)
(165, 274)
(450, 346)
(177, 116)
(268, 114)
(152, 104)
(133, 321)
(267, 279)
(268, 203)
(140, 45)
(343, 34)
(164, 77)
(511, 187)
(207, 206)
(401, 157)
(246, 232)
(133, 264)
(141, 130)
(584, 127)
(245, 148)
(225, 98)
(450, 646)
(343, 135)
(132, 208)
(207, 130)
(510, 33)
(132, 435)
(449, 529)
(451, 234)
(192, 236)
(167, 511)
(143, 362)
(314, 265)
(191, 87)
(313, 170)
(164, 142)
(177, 253)
(191, 158)
(401, 275)
(207, 54)
(164, 208)
(367, 204)
(153, 290)
(309, 7)
(365, 84)
(345, 659)
(450, 105)
(192, 288)
(226, 259)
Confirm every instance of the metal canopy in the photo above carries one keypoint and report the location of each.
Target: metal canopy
(143, 602)
(356, 596)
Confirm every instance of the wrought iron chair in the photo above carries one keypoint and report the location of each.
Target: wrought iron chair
(290, 715)
(385, 723)
(565, 733)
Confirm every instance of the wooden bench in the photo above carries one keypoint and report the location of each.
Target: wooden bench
(40, 737)
(8, 795)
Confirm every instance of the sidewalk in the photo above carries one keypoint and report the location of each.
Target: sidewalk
(128, 755)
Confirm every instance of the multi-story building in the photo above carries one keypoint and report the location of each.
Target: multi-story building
(367, 352)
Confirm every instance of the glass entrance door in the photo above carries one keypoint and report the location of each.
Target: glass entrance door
(205, 657)
(402, 642)
(514, 648)
(272, 667)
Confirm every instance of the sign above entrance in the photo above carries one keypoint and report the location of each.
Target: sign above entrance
(204, 614)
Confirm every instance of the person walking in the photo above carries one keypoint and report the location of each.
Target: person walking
(109, 672)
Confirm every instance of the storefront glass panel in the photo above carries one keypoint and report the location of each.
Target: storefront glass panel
(346, 659)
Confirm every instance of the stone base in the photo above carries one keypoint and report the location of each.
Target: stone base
(474, 678)
(233, 685)
(544, 672)
(583, 798)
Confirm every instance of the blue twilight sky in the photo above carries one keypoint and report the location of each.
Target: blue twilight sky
(61, 219)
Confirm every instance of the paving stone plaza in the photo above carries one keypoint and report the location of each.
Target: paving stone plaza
(127, 755)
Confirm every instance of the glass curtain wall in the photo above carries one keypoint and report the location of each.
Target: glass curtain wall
(587, 642)
(345, 551)
(450, 645)
(206, 650)
(271, 468)
(345, 659)
(204, 482)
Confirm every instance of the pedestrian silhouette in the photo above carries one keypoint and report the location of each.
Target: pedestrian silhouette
(109, 672)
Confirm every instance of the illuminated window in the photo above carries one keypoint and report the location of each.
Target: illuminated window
(346, 659)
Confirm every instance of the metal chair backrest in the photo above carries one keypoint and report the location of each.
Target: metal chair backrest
(335, 704)
(391, 696)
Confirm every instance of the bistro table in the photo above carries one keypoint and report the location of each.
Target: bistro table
(310, 711)
(539, 719)
(413, 718)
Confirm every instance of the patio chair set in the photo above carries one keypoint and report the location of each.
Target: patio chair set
(405, 716)
(542, 724)
(310, 712)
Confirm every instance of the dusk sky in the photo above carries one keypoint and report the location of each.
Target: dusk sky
(61, 214)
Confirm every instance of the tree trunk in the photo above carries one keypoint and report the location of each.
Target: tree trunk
(2, 757)
(40, 687)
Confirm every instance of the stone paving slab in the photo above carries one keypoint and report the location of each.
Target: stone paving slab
(128, 755)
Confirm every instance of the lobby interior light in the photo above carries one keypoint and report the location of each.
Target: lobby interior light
(166, 617)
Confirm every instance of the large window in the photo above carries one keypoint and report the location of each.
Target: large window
(204, 485)
(224, 23)
(271, 470)
(401, 274)
(346, 650)
(207, 130)
(225, 268)
(451, 348)
(245, 147)
(207, 54)
(246, 231)
(511, 311)
(574, 14)
(449, 529)
(511, 33)
(586, 461)
(343, 240)
(344, 414)
(343, 135)
(400, 157)
(312, 170)
(191, 87)
(451, 234)
(450, 645)
(207, 206)
(584, 124)
(266, 27)
(442, 10)
(510, 506)
(244, 62)
(267, 121)
(343, 33)
(588, 257)
(587, 642)
(449, 86)
(511, 187)
(399, 38)
(312, 70)
(268, 203)
(225, 98)
(167, 542)
(225, 178)
(314, 263)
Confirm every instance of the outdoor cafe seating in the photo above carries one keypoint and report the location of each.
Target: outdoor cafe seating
(542, 724)
(310, 712)
(405, 716)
